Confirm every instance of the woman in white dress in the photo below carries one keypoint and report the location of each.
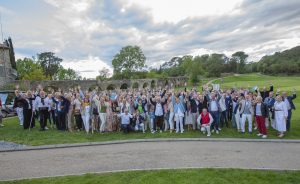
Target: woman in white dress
(281, 114)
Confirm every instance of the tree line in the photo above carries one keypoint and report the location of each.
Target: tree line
(45, 66)
(129, 63)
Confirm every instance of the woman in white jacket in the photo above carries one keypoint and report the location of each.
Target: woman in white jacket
(281, 114)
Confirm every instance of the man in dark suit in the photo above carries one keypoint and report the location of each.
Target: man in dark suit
(288, 100)
(196, 108)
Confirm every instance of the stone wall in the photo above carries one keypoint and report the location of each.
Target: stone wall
(102, 85)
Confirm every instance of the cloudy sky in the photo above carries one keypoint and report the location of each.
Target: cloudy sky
(88, 33)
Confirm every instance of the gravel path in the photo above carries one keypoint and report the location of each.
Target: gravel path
(149, 155)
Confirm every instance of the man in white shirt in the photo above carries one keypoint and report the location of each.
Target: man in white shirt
(42, 104)
(125, 121)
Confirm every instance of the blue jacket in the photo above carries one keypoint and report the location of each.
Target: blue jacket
(65, 103)
(179, 105)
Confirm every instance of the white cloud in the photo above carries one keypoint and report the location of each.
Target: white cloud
(88, 68)
(177, 10)
(88, 33)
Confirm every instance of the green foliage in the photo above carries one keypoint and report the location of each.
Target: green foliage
(240, 57)
(286, 62)
(47, 67)
(66, 74)
(129, 59)
(29, 70)
(49, 63)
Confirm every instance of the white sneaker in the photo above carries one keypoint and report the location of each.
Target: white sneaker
(46, 128)
(255, 128)
(208, 135)
(160, 131)
(217, 131)
(264, 136)
(181, 132)
(213, 131)
(259, 134)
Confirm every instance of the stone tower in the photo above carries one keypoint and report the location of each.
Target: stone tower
(8, 73)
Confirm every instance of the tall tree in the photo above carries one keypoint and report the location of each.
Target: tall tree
(129, 59)
(240, 57)
(104, 73)
(49, 63)
(29, 70)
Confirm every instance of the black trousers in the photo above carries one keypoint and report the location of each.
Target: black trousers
(28, 118)
(78, 121)
(224, 119)
(43, 118)
(61, 121)
(126, 128)
(52, 118)
(159, 122)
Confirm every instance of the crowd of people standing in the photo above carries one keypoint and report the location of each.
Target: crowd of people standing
(160, 109)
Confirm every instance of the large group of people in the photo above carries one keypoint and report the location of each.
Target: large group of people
(157, 110)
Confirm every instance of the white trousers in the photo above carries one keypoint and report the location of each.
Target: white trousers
(20, 115)
(140, 126)
(249, 118)
(179, 123)
(171, 120)
(103, 121)
(237, 120)
(86, 121)
(207, 129)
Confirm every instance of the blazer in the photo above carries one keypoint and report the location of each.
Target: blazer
(263, 109)
(290, 99)
(194, 105)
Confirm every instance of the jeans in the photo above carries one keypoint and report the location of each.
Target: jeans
(179, 123)
(224, 118)
(233, 121)
(171, 120)
(126, 128)
(216, 117)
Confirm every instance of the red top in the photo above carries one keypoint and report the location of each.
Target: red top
(205, 118)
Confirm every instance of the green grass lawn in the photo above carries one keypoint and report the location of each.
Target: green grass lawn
(14, 133)
(182, 176)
